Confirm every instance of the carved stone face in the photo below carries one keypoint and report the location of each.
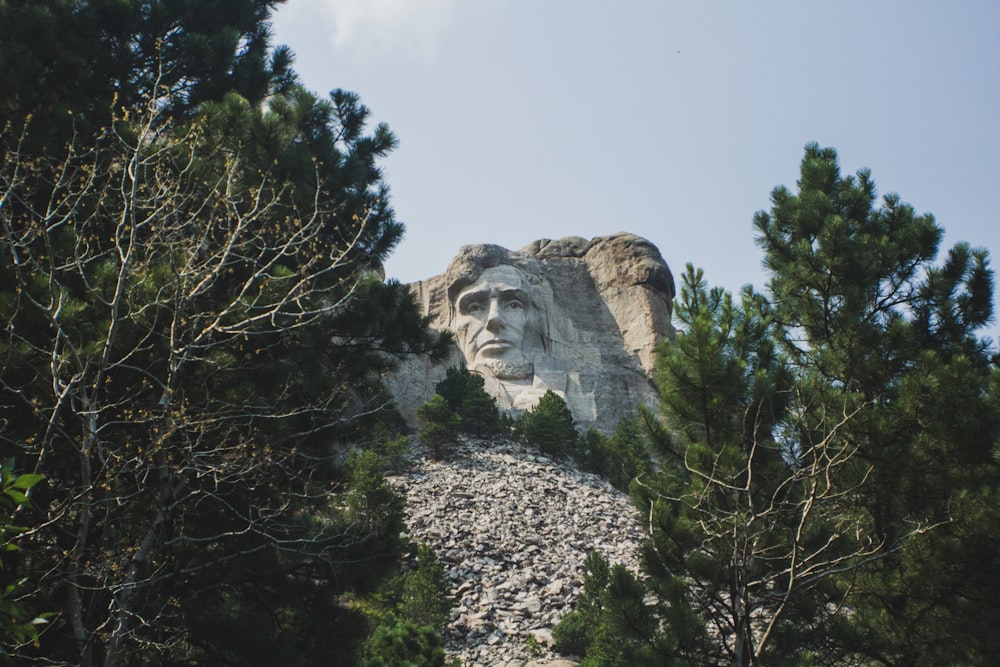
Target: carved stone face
(492, 317)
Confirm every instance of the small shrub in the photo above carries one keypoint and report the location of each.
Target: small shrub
(424, 598)
(570, 634)
(611, 622)
(549, 426)
(592, 451)
(466, 396)
(455, 386)
(402, 643)
(620, 458)
(533, 645)
(438, 426)
(391, 446)
(373, 505)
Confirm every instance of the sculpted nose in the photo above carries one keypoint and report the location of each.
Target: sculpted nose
(493, 320)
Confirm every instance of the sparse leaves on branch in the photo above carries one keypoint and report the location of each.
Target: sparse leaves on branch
(192, 317)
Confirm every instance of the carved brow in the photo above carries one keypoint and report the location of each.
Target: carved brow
(515, 293)
(471, 297)
(480, 296)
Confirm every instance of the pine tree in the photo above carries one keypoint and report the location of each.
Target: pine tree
(73, 65)
(549, 426)
(752, 524)
(438, 426)
(619, 458)
(402, 643)
(828, 485)
(466, 396)
(865, 309)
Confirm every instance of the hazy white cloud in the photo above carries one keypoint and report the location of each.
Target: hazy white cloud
(407, 27)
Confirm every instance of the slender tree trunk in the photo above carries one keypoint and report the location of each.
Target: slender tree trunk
(123, 599)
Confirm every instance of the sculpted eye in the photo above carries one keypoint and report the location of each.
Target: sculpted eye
(474, 307)
(514, 304)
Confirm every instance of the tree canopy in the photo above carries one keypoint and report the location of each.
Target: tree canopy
(195, 324)
(828, 476)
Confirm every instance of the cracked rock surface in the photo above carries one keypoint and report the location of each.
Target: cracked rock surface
(513, 528)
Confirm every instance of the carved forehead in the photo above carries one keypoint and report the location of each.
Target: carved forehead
(473, 261)
(497, 279)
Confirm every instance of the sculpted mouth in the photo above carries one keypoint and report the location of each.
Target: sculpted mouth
(495, 346)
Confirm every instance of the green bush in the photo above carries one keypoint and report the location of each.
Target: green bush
(402, 643)
(466, 395)
(418, 598)
(611, 622)
(375, 508)
(570, 633)
(619, 459)
(549, 426)
(16, 624)
(438, 426)
(424, 596)
(393, 447)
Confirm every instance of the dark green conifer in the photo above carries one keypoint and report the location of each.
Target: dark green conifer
(867, 309)
(203, 267)
(549, 426)
(439, 426)
(466, 396)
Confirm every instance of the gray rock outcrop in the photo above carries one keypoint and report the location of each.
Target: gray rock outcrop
(582, 318)
(513, 529)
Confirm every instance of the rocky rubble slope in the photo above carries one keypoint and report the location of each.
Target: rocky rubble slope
(513, 528)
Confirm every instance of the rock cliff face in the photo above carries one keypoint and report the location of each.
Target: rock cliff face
(582, 318)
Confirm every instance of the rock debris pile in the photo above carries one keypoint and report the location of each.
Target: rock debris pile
(513, 529)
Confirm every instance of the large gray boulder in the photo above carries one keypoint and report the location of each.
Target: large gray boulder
(582, 318)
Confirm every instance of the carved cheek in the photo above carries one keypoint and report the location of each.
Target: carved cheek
(516, 319)
(468, 328)
(462, 324)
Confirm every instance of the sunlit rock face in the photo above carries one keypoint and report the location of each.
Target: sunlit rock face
(579, 317)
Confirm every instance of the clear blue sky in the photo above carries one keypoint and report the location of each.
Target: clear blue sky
(528, 119)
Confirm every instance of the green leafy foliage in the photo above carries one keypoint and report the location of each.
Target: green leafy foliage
(620, 458)
(460, 405)
(17, 625)
(195, 334)
(424, 596)
(884, 328)
(391, 446)
(73, 64)
(750, 492)
(611, 623)
(375, 508)
(419, 594)
(828, 471)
